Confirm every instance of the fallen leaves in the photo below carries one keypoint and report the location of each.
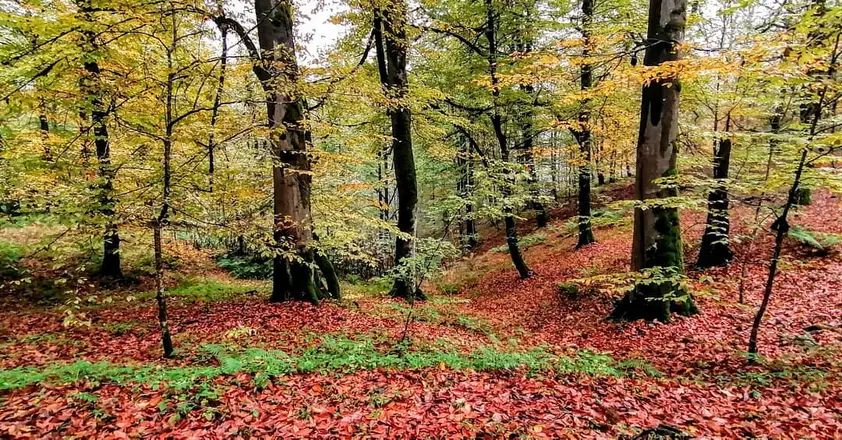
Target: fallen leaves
(705, 389)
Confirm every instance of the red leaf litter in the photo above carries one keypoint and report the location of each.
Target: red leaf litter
(706, 388)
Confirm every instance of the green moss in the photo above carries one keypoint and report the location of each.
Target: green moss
(662, 292)
(569, 290)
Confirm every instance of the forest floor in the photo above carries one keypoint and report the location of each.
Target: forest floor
(488, 356)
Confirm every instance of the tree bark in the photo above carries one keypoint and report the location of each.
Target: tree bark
(657, 233)
(716, 249)
(583, 134)
(394, 49)
(159, 222)
(465, 189)
(163, 322)
(293, 276)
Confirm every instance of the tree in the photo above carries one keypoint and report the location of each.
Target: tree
(715, 249)
(390, 37)
(821, 58)
(95, 111)
(294, 276)
(583, 133)
(491, 36)
(656, 245)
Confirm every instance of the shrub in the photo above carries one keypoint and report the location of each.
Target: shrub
(249, 267)
(10, 256)
(819, 241)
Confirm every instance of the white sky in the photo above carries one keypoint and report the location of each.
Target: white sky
(316, 31)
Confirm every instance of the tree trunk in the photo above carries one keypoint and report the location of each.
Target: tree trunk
(329, 274)
(499, 132)
(716, 249)
(166, 338)
(293, 275)
(465, 189)
(104, 188)
(393, 32)
(657, 233)
(220, 88)
(161, 220)
(583, 134)
(542, 217)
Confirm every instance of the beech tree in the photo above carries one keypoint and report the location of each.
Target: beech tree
(657, 245)
(95, 112)
(294, 276)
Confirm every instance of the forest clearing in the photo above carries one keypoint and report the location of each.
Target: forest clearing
(468, 219)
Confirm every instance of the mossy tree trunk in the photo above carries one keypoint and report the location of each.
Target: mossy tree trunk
(275, 65)
(657, 234)
(716, 248)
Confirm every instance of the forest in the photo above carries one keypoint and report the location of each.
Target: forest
(475, 219)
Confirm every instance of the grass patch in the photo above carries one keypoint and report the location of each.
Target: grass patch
(431, 314)
(204, 290)
(355, 288)
(332, 354)
(525, 242)
(120, 328)
(42, 338)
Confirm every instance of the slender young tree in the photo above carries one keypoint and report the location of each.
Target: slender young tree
(465, 186)
(657, 234)
(827, 41)
(502, 139)
(583, 133)
(390, 37)
(220, 88)
(95, 111)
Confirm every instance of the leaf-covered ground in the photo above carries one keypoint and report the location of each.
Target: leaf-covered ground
(500, 357)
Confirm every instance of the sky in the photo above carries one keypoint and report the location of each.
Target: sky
(315, 26)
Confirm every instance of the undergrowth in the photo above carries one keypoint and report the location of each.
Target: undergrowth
(526, 242)
(334, 354)
(204, 290)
